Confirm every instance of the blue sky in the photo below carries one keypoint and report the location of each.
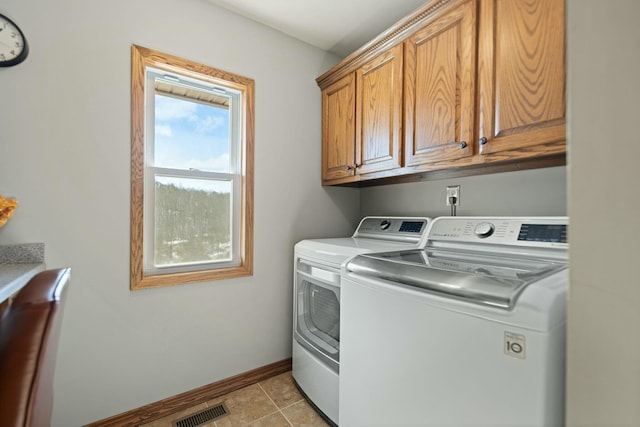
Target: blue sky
(191, 135)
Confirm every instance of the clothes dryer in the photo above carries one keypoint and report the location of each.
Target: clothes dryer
(316, 301)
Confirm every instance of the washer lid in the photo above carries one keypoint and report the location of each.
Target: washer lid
(476, 277)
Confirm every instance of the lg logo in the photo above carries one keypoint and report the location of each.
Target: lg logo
(514, 345)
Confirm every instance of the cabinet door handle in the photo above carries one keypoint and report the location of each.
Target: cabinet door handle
(483, 140)
(347, 168)
(463, 144)
(357, 165)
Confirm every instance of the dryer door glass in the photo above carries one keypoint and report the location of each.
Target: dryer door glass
(323, 315)
(318, 317)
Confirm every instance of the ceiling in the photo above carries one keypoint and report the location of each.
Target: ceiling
(337, 26)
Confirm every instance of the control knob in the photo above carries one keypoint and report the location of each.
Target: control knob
(484, 229)
(384, 224)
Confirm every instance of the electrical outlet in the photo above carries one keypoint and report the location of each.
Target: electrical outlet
(453, 191)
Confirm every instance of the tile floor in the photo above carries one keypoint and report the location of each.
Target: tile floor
(275, 402)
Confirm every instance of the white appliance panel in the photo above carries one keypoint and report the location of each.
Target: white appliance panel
(320, 382)
(426, 360)
(317, 265)
(468, 331)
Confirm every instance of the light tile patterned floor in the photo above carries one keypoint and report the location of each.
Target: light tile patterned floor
(274, 402)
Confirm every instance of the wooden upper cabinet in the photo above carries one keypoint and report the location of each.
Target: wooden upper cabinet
(339, 129)
(521, 77)
(379, 112)
(458, 87)
(439, 88)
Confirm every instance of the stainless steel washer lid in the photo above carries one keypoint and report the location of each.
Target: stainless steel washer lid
(472, 276)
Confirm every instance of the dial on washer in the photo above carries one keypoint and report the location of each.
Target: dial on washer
(484, 229)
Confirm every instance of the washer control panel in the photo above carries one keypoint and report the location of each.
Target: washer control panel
(521, 231)
(543, 233)
(393, 228)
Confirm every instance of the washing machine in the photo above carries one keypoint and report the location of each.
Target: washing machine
(316, 301)
(468, 331)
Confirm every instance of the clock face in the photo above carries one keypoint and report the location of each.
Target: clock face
(13, 45)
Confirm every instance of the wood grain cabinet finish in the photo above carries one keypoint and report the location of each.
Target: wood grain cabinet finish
(362, 120)
(480, 85)
(339, 129)
(440, 88)
(379, 113)
(521, 78)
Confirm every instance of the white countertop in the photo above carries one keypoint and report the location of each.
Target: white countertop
(14, 276)
(18, 264)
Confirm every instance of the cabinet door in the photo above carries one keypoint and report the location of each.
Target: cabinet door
(379, 112)
(338, 129)
(440, 88)
(521, 72)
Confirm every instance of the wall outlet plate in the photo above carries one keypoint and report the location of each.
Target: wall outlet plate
(453, 191)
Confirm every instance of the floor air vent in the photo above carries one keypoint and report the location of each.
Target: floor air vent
(203, 417)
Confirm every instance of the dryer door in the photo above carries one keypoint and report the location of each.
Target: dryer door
(317, 311)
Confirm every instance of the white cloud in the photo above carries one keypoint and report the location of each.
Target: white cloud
(163, 130)
(168, 109)
(209, 123)
(213, 164)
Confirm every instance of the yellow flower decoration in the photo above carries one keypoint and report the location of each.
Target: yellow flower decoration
(7, 206)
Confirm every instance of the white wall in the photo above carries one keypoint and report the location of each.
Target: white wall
(65, 152)
(531, 192)
(604, 204)
(64, 121)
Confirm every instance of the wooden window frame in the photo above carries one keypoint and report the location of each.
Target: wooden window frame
(141, 58)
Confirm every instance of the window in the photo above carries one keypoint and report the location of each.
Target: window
(191, 172)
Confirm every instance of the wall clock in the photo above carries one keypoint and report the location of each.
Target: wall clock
(13, 44)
